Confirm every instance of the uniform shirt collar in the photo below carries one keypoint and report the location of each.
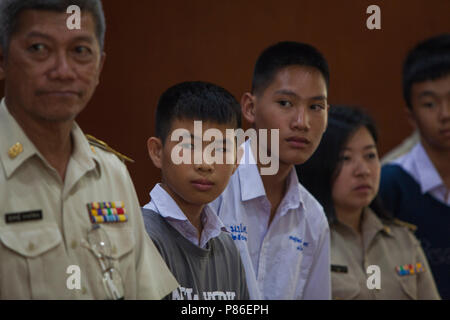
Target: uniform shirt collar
(83, 159)
(427, 174)
(419, 166)
(12, 134)
(250, 180)
(371, 225)
(162, 203)
(252, 187)
(82, 154)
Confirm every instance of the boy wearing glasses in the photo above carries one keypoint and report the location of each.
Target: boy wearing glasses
(189, 235)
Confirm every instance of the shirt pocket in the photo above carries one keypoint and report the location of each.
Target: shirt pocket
(31, 242)
(344, 286)
(32, 257)
(409, 285)
(122, 241)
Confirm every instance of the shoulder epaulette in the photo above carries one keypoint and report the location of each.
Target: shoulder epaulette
(93, 141)
(410, 226)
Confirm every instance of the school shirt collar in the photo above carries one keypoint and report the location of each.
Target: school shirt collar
(252, 187)
(427, 174)
(163, 203)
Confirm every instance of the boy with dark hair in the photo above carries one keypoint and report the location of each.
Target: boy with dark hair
(190, 237)
(416, 186)
(280, 229)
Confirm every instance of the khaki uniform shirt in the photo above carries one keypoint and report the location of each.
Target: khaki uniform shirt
(35, 253)
(386, 246)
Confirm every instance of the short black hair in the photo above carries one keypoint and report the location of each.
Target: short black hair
(196, 100)
(11, 9)
(319, 173)
(285, 54)
(429, 60)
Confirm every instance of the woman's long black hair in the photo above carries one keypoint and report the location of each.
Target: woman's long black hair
(319, 173)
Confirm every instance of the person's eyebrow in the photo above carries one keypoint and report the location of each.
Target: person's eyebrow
(370, 146)
(427, 93)
(293, 94)
(191, 136)
(321, 97)
(286, 92)
(37, 34)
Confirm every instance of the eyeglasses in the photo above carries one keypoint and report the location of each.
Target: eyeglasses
(100, 246)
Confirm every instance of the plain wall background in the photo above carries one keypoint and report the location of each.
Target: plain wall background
(153, 44)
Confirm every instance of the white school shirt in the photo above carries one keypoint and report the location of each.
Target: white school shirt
(419, 166)
(290, 259)
(162, 203)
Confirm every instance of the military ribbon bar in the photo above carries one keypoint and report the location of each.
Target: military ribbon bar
(409, 269)
(107, 212)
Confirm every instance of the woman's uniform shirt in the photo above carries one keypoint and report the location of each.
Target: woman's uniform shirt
(401, 270)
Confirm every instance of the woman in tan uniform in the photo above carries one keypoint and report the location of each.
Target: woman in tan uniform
(373, 256)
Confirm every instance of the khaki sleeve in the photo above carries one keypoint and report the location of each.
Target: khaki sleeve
(153, 277)
(426, 287)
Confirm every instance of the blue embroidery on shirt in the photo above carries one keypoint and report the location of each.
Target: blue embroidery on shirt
(239, 232)
(301, 244)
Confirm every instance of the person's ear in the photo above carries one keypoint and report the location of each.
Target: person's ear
(248, 107)
(411, 117)
(155, 151)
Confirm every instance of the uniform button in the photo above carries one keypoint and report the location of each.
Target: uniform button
(114, 250)
(31, 246)
(73, 245)
(83, 290)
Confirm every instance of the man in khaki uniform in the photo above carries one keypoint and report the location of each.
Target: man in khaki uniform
(404, 271)
(70, 222)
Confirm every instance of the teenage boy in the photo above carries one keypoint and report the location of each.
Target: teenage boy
(279, 228)
(416, 186)
(189, 235)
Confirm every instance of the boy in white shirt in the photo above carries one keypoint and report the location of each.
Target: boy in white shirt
(280, 229)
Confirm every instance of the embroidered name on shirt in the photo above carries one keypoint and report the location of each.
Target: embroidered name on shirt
(301, 244)
(23, 216)
(339, 269)
(239, 232)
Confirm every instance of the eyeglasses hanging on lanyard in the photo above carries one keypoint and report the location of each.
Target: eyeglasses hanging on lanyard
(100, 246)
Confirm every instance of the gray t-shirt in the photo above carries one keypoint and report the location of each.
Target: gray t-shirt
(212, 273)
